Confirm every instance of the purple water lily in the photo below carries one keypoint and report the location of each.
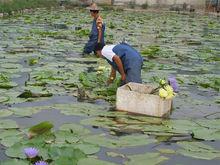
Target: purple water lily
(172, 81)
(31, 152)
(41, 163)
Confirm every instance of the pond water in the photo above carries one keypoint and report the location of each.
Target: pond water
(41, 52)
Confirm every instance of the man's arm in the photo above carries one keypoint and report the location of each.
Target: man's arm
(119, 64)
(99, 34)
(99, 23)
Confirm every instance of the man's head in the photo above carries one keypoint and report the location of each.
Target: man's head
(98, 49)
(94, 13)
(94, 9)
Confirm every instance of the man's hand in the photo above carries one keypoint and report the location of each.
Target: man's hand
(110, 80)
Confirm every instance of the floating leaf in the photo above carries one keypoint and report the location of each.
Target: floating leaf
(10, 140)
(4, 99)
(141, 159)
(68, 152)
(75, 129)
(7, 85)
(199, 155)
(5, 113)
(64, 160)
(9, 132)
(16, 151)
(14, 161)
(166, 151)
(87, 148)
(66, 137)
(93, 161)
(29, 94)
(33, 61)
(39, 129)
(114, 154)
(125, 141)
(206, 134)
(198, 150)
(6, 124)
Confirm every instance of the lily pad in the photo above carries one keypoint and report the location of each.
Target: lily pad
(5, 113)
(114, 154)
(121, 142)
(166, 151)
(198, 150)
(75, 129)
(9, 132)
(93, 161)
(6, 124)
(87, 148)
(4, 99)
(7, 85)
(65, 137)
(206, 134)
(141, 159)
(39, 129)
(64, 160)
(68, 152)
(14, 161)
(28, 111)
(10, 140)
(16, 151)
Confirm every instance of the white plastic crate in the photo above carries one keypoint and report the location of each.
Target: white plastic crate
(135, 98)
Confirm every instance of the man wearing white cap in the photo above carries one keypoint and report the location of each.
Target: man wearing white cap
(124, 59)
(96, 37)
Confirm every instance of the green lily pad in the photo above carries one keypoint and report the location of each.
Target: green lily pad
(141, 159)
(4, 99)
(122, 142)
(166, 151)
(14, 161)
(93, 161)
(99, 122)
(28, 111)
(7, 85)
(80, 109)
(212, 124)
(199, 155)
(75, 129)
(182, 125)
(30, 94)
(11, 66)
(16, 151)
(6, 124)
(87, 148)
(5, 113)
(9, 132)
(64, 160)
(206, 134)
(114, 154)
(69, 152)
(198, 150)
(39, 129)
(10, 140)
(65, 137)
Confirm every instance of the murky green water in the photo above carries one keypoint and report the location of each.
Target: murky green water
(188, 48)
